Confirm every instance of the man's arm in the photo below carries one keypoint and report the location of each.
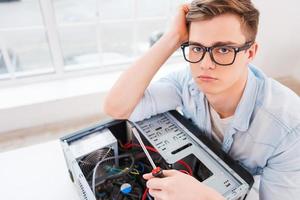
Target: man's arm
(281, 177)
(130, 87)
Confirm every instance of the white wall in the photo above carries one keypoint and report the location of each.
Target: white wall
(297, 72)
(279, 28)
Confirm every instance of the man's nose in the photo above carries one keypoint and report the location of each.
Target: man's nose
(206, 62)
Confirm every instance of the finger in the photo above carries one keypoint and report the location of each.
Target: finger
(148, 176)
(166, 173)
(185, 7)
(151, 191)
(157, 183)
(157, 194)
(171, 172)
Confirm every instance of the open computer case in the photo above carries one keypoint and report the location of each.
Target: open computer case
(106, 161)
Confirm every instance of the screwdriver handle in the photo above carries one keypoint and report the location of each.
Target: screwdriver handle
(157, 172)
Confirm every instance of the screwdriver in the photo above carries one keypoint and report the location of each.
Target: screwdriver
(156, 171)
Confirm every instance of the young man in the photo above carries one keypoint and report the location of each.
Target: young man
(254, 118)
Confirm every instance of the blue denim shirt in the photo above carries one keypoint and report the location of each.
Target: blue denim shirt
(264, 135)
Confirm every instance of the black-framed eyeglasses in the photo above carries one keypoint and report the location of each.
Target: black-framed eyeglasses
(222, 55)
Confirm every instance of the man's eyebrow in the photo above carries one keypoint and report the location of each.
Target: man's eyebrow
(220, 43)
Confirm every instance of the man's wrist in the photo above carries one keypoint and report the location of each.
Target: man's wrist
(173, 39)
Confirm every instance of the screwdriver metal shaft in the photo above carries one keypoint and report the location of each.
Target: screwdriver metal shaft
(137, 136)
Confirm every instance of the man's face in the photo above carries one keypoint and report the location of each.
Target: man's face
(212, 78)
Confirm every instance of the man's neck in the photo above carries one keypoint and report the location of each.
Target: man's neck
(225, 103)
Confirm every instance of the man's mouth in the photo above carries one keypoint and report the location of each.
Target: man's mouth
(206, 78)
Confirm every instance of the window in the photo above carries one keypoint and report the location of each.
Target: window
(57, 37)
(23, 39)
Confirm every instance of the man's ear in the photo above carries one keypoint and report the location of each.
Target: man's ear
(252, 51)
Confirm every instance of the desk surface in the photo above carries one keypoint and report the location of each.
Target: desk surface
(36, 172)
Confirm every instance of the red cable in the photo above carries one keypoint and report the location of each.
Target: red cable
(145, 194)
(184, 171)
(129, 145)
(189, 169)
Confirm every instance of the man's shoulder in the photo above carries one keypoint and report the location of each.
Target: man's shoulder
(280, 104)
(182, 75)
(180, 78)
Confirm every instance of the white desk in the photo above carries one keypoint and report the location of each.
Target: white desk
(40, 172)
(36, 172)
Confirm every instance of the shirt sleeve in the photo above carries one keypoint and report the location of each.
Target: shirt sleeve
(161, 96)
(281, 177)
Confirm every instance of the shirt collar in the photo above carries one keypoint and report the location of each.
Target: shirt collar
(193, 88)
(246, 105)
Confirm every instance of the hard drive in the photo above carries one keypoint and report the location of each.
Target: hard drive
(106, 161)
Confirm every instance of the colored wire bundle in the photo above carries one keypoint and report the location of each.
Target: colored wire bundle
(184, 164)
(126, 170)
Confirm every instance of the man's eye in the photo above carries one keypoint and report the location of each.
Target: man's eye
(224, 50)
(197, 49)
